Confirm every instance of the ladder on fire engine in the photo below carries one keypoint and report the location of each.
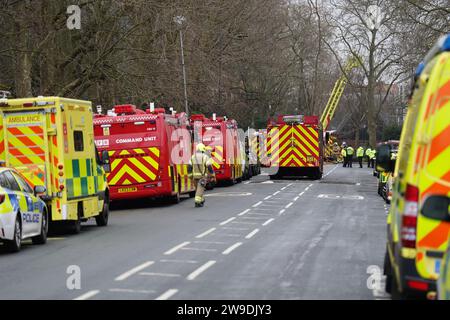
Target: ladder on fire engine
(336, 94)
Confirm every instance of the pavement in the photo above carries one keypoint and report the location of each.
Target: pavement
(261, 239)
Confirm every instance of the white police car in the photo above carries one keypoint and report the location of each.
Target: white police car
(23, 214)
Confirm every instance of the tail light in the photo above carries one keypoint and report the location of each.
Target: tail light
(61, 187)
(409, 218)
(2, 198)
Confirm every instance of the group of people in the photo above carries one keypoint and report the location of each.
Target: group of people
(347, 153)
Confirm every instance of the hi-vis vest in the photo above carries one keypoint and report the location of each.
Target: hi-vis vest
(360, 152)
(350, 151)
(200, 163)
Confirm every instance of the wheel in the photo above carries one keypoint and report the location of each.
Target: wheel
(103, 217)
(15, 244)
(192, 194)
(74, 226)
(175, 199)
(42, 237)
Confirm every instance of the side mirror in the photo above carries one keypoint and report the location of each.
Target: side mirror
(39, 190)
(106, 161)
(384, 162)
(437, 208)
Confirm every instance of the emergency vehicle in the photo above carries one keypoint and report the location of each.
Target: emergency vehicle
(417, 239)
(220, 136)
(50, 141)
(443, 292)
(149, 152)
(295, 146)
(262, 148)
(23, 214)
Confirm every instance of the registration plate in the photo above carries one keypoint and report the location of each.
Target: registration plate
(125, 190)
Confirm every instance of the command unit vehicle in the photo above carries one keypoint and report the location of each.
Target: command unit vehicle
(416, 238)
(149, 152)
(50, 141)
(220, 136)
(23, 214)
(295, 146)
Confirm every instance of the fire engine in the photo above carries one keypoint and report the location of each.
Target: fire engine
(295, 146)
(220, 136)
(149, 152)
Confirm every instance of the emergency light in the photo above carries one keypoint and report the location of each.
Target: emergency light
(442, 45)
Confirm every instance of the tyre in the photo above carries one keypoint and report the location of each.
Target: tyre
(74, 226)
(175, 199)
(42, 237)
(15, 244)
(103, 217)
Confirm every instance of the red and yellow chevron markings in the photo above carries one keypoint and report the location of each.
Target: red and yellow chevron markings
(134, 166)
(217, 157)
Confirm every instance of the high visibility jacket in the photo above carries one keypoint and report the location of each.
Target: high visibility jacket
(201, 165)
(360, 152)
(368, 152)
(350, 151)
(343, 152)
(373, 154)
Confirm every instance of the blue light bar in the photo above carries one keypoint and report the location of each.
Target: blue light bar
(442, 45)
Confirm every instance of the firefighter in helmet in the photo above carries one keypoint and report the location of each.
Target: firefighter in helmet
(201, 170)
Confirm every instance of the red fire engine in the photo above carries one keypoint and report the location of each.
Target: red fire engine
(220, 136)
(149, 152)
(295, 146)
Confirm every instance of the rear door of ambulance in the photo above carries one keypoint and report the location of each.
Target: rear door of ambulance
(25, 145)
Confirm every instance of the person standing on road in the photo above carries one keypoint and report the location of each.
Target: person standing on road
(344, 156)
(201, 170)
(368, 153)
(350, 152)
(373, 158)
(360, 155)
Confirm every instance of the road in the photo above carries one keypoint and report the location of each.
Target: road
(289, 239)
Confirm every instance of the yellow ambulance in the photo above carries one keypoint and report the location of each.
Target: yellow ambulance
(417, 239)
(50, 141)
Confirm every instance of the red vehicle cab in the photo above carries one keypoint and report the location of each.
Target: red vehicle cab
(220, 136)
(149, 152)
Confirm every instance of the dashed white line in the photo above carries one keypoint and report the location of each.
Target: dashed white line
(88, 295)
(131, 291)
(284, 188)
(257, 204)
(232, 248)
(289, 205)
(158, 274)
(200, 270)
(268, 221)
(296, 198)
(267, 198)
(198, 249)
(167, 295)
(235, 229)
(210, 242)
(176, 248)
(282, 211)
(244, 212)
(178, 261)
(227, 221)
(135, 270)
(276, 193)
(251, 234)
(204, 234)
(301, 193)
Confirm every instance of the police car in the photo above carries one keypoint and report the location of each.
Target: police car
(23, 214)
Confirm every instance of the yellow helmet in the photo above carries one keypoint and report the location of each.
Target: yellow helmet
(201, 147)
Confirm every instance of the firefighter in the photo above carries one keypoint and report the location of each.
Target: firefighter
(201, 170)
(350, 152)
(360, 155)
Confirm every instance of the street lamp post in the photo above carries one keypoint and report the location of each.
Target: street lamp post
(179, 20)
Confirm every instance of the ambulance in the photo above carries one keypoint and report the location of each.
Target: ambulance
(417, 234)
(220, 136)
(295, 146)
(50, 141)
(149, 152)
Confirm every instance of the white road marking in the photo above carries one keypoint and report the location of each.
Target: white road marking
(88, 295)
(259, 214)
(296, 198)
(284, 188)
(178, 261)
(267, 182)
(289, 205)
(247, 182)
(242, 222)
(210, 242)
(198, 249)
(267, 198)
(358, 184)
(268, 221)
(176, 248)
(232, 235)
(227, 221)
(232, 248)
(276, 193)
(167, 295)
(204, 234)
(158, 274)
(301, 193)
(289, 185)
(253, 218)
(131, 291)
(251, 234)
(282, 211)
(135, 270)
(200, 270)
(257, 204)
(244, 212)
(235, 229)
